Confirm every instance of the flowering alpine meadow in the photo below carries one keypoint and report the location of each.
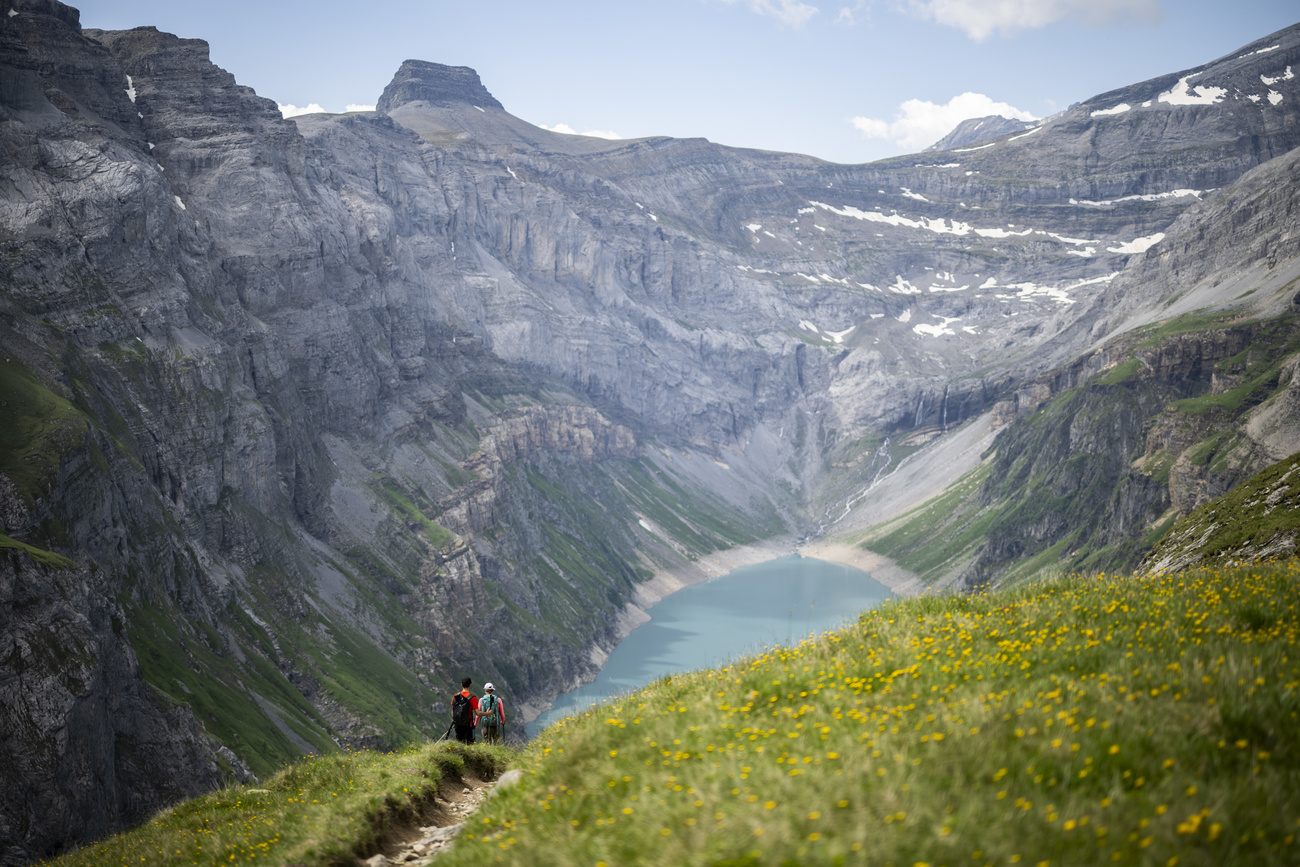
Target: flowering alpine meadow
(1092, 720)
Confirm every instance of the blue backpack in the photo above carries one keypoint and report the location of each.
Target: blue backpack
(487, 710)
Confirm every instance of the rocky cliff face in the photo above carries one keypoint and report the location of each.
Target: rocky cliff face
(980, 129)
(316, 416)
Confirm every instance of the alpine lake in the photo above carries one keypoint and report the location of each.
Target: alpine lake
(778, 602)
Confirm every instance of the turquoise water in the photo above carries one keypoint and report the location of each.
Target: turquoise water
(777, 602)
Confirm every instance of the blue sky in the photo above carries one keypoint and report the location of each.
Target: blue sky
(848, 81)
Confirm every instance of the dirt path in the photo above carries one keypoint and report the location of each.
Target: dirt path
(418, 844)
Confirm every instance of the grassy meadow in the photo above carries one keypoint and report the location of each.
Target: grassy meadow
(326, 810)
(1102, 720)
(1089, 720)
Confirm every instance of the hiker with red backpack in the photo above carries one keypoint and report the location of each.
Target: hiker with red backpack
(491, 715)
(464, 712)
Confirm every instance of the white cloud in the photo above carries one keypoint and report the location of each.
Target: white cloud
(849, 14)
(565, 129)
(354, 107)
(982, 18)
(919, 123)
(294, 111)
(791, 13)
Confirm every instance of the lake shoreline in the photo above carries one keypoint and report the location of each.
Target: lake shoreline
(666, 582)
(900, 581)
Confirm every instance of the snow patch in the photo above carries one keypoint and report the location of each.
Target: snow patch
(150, 145)
(903, 287)
(1180, 94)
(1028, 291)
(1138, 245)
(1025, 134)
(833, 336)
(911, 195)
(1147, 197)
(130, 89)
(480, 109)
(179, 202)
(13, 12)
(936, 330)
(838, 336)
(906, 316)
(512, 173)
(769, 234)
(969, 150)
(1106, 112)
(940, 226)
(754, 227)
(652, 216)
(1286, 76)
(1260, 51)
(1274, 97)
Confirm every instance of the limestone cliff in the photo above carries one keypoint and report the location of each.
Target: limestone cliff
(306, 419)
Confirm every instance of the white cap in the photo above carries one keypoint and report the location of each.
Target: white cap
(488, 686)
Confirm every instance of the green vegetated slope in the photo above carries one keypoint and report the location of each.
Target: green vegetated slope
(38, 426)
(1258, 519)
(329, 810)
(1088, 720)
(1087, 480)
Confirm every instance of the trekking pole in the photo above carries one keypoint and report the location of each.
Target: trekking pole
(444, 734)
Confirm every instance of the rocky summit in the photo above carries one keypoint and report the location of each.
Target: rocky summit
(305, 419)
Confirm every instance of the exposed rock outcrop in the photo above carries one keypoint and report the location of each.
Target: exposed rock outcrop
(85, 745)
(329, 411)
(436, 84)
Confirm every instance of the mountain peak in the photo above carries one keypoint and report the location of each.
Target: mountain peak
(978, 129)
(422, 81)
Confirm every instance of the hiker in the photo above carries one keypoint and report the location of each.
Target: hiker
(491, 715)
(464, 712)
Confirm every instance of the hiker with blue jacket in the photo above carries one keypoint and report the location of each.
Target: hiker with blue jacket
(491, 715)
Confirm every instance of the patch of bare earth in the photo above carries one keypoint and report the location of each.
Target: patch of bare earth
(418, 842)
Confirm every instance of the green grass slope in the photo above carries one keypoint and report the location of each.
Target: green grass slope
(1090, 721)
(329, 810)
(1083, 483)
(1257, 520)
(1101, 720)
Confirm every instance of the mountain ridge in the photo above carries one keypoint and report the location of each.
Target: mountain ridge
(272, 361)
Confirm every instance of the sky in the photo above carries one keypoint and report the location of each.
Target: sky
(845, 80)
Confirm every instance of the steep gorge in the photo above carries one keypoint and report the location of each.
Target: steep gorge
(307, 418)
